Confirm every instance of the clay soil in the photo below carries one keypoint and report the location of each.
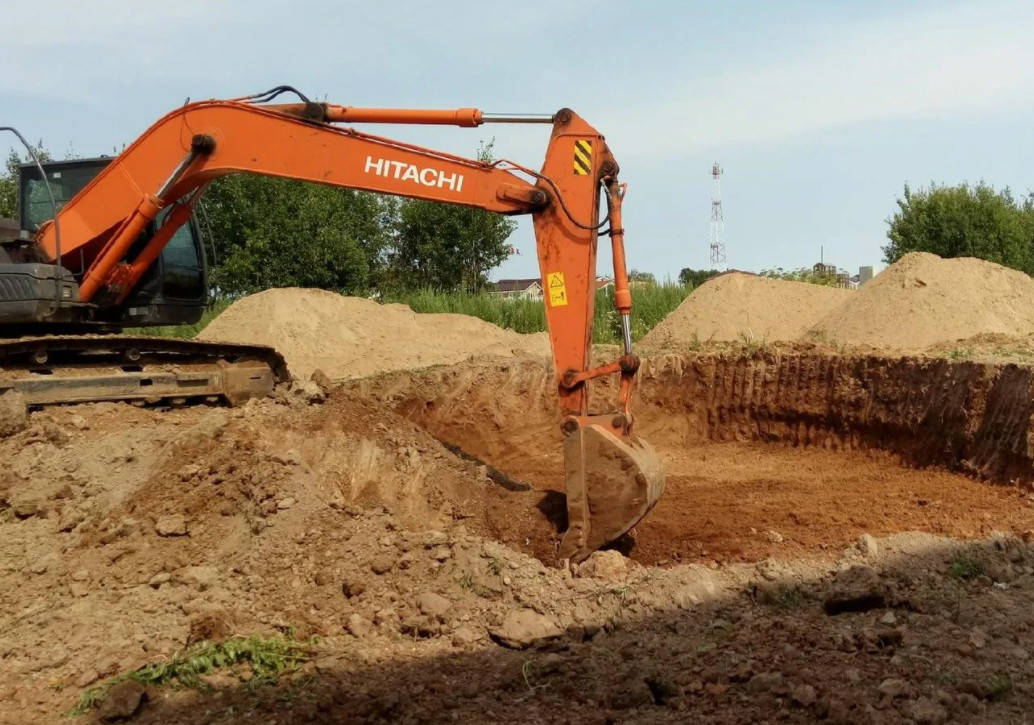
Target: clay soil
(726, 500)
(845, 539)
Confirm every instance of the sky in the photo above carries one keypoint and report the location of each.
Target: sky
(818, 112)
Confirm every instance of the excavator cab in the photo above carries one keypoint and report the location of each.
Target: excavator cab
(173, 291)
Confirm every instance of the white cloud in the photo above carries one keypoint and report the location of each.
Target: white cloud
(966, 59)
(78, 50)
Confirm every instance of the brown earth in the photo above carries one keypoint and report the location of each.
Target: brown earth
(923, 301)
(126, 534)
(846, 425)
(737, 306)
(349, 337)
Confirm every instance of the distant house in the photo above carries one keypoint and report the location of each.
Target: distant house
(831, 271)
(527, 289)
(531, 289)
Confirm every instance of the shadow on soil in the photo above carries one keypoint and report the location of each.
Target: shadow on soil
(935, 630)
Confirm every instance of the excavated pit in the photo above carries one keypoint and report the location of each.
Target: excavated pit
(772, 455)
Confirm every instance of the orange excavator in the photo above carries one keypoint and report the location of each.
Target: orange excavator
(108, 254)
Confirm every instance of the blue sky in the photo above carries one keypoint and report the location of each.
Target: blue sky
(819, 112)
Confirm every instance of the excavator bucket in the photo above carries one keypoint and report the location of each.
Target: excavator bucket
(612, 483)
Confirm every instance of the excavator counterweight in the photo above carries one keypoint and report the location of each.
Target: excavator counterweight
(86, 267)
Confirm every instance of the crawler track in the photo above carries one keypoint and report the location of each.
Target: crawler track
(51, 370)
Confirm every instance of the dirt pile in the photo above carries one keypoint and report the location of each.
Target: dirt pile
(349, 337)
(923, 301)
(737, 306)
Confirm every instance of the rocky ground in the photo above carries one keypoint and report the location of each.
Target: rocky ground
(446, 626)
(403, 573)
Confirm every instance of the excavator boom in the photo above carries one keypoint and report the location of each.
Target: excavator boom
(613, 477)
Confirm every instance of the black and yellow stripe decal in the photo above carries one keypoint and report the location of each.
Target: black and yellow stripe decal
(582, 157)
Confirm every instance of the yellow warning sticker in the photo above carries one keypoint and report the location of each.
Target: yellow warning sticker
(557, 289)
(582, 157)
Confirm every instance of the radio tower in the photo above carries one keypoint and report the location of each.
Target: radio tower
(717, 220)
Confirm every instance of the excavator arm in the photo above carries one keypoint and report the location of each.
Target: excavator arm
(613, 477)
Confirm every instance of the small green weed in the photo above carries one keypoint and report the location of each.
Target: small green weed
(960, 353)
(529, 674)
(964, 566)
(750, 345)
(999, 685)
(270, 658)
(1020, 353)
(470, 584)
(784, 597)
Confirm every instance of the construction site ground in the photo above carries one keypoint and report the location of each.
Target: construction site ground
(843, 538)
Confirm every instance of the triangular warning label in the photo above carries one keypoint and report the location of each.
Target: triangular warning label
(556, 280)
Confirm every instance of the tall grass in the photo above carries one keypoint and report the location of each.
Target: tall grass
(650, 305)
(520, 315)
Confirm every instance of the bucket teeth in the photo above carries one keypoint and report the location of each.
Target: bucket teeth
(612, 483)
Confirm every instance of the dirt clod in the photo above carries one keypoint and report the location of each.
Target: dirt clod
(359, 626)
(122, 702)
(867, 545)
(382, 563)
(765, 682)
(171, 525)
(433, 605)
(609, 565)
(632, 694)
(857, 589)
(14, 415)
(925, 711)
(521, 628)
(804, 696)
(353, 586)
(212, 624)
(893, 687)
(663, 688)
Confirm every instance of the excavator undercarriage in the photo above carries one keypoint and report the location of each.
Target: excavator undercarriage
(50, 370)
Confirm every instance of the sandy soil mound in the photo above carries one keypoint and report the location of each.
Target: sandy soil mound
(349, 337)
(922, 301)
(736, 306)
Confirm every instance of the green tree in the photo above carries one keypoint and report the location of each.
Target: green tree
(645, 277)
(964, 221)
(9, 179)
(695, 277)
(270, 232)
(447, 247)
